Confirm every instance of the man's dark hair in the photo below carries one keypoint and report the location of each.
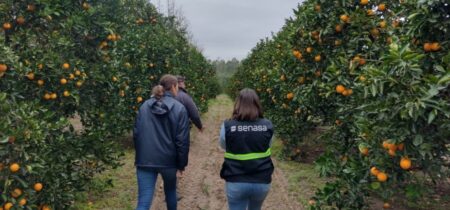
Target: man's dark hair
(168, 81)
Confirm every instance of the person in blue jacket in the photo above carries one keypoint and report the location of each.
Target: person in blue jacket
(247, 167)
(161, 141)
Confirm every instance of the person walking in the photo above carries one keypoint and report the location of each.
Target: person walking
(247, 167)
(188, 103)
(161, 141)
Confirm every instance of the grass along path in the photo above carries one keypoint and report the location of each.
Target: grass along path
(201, 186)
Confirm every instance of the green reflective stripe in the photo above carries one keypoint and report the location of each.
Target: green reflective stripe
(248, 156)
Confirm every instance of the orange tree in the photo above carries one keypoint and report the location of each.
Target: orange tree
(92, 60)
(378, 73)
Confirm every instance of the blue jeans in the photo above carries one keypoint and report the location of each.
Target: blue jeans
(146, 178)
(246, 196)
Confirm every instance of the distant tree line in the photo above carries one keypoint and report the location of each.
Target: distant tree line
(225, 69)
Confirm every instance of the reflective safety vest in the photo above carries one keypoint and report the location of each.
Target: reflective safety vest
(247, 156)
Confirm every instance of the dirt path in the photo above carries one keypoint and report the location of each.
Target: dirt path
(201, 187)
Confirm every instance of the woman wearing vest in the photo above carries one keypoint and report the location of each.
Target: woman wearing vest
(246, 139)
(161, 143)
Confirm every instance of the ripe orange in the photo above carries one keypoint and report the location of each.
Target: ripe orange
(364, 2)
(38, 187)
(392, 147)
(309, 49)
(71, 76)
(374, 32)
(374, 171)
(382, 7)
(317, 58)
(66, 66)
(340, 88)
(139, 99)
(30, 76)
(405, 163)
(53, 96)
(114, 79)
(66, 93)
(290, 96)
(345, 18)
(16, 193)
(20, 20)
(362, 78)
(3, 67)
(22, 202)
(40, 82)
(362, 61)
(79, 84)
(40, 66)
(301, 80)
(386, 144)
(77, 72)
(337, 42)
(338, 122)
(435, 46)
(45, 207)
(370, 12)
(427, 47)
(63, 81)
(8, 206)
(386, 205)
(338, 28)
(297, 54)
(382, 177)
(14, 167)
(47, 96)
(364, 151)
(283, 77)
(121, 93)
(7, 26)
(2, 166)
(382, 24)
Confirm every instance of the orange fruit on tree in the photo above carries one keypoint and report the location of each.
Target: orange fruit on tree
(66, 93)
(66, 66)
(297, 54)
(382, 24)
(364, 151)
(427, 47)
(282, 77)
(386, 205)
(71, 76)
(114, 79)
(30, 76)
(139, 99)
(338, 28)
(20, 20)
(370, 12)
(340, 88)
(382, 7)
(47, 96)
(392, 147)
(38, 187)
(2, 166)
(345, 18)
(14, 167)
(7, 26)
(40, 82)
(53, 96)
(3, 67)
(301, 80)
(405, 163)
(309, 49)
(364, 2)
(435, 46)
(382, 177)
(121, 93)
(386, 144)
(16, 193)
(362, 61)
(79, 83)
(45, 207)
(362, 78)
(8, 206)
(317, 58)
(22, 202)
(290, 96)
(374, 171)
(77, 72)
(337, 42)
(63, 81)
(86, 6)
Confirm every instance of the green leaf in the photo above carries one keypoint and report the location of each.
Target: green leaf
(431, 116)
(418, 140)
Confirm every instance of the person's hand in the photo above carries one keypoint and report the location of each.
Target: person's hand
(179, 174)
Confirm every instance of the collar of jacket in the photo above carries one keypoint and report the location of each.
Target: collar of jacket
(182, 89)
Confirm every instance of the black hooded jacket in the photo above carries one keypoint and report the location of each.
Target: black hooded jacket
(161, 134)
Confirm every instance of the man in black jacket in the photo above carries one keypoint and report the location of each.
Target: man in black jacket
(188, 103)
(161, 141)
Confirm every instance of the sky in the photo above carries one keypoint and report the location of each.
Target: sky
(226, 29)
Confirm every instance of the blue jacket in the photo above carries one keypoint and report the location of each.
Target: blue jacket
(161, 134)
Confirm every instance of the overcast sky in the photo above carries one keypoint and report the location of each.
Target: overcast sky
(231, 28)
